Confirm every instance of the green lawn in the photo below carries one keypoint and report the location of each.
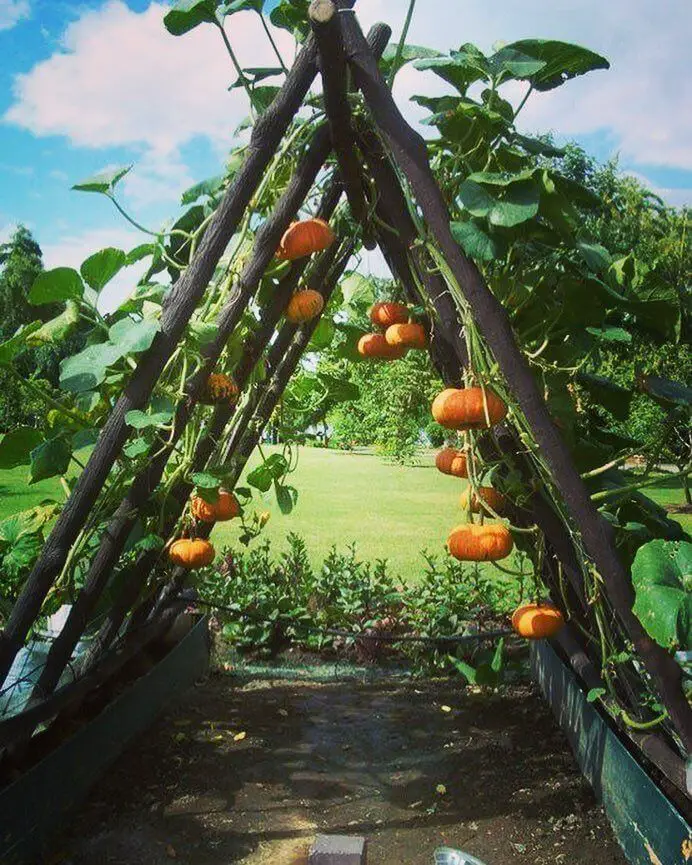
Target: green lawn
(389, 511)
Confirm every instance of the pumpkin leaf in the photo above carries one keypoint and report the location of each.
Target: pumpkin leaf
(58, 328)
(141, 420)
(86, 370)
(133, 337)
(666, 392)
(102, 266)
(662, 580)
(607, 393)
(476, 243)
(286, 497)
(188, 14)
(16, 447)
(560, 61)
(17, 343)
(52, 286)
(609, 333)
(103, 182)
(49, 459)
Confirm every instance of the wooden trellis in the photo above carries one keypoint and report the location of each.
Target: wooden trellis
(388, 151)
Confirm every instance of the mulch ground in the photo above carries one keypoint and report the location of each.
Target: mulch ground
(249, 773)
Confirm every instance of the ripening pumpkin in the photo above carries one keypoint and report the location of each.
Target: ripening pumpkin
(388, 313)
(410, 335)
(375, 345)
(224, 508)
(450, 461)
(304, 305)
(191, 553)
(219, 388)
(487, 543)
(535, 621)
(484, 496)
(305, 237)
(464, 408)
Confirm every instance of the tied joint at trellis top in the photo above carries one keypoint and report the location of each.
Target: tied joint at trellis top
(225, 348)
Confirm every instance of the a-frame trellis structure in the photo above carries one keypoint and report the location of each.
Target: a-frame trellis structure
(393, 155)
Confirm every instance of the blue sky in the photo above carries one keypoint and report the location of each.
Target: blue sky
(98, 83)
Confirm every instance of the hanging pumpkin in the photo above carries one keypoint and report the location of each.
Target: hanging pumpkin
(219, 388)
(487, 543)
(409, 335)
(386, 314)
(484, 496)
(305, 237)
(375, 345)
(191, 553)
(304, 305)
(450, 461)
(465, 408)
(225, 507)
(536, 621)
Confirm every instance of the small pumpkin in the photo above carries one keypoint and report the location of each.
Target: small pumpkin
(219, 388)
(191, 553)
(225, 507)
(487, 543)
(375, 345)
(304, 305)
(536, 621)
(464, 408)
(410, 335)
(484, 496)
(450, 461)
(305, 237)
(387, 313)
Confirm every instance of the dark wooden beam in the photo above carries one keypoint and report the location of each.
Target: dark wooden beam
(410, 153)
(324, 19)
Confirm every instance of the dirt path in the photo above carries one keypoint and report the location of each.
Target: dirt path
(345, 758)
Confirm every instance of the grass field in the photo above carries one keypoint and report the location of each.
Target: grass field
(390, 511)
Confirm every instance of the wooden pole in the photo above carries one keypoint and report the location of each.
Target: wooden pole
(409, 151)
(324, 19)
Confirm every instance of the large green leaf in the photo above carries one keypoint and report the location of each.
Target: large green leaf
(58, 328)
(103, 182)
(21, 555)
(18, 342)
(52, 286)
(272, 469)
(460, 68)
(662, 580)
(408, 54)
(187, 14)
(666, 392)
(25, 523)
(607, 393)
(132, 337)
(102, 266)
(511, 63)
(208, 188)
(561, 61)
(514, 199)
(16, 446)
(86, 370)
(292, 15)
(357, 290)
(596, 256)
(610, 333)
(141, 420)
(476, 243)
(49, 459)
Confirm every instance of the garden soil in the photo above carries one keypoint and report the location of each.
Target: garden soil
(249, 773)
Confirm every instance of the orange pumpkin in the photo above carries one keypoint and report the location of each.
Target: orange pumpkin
(450, 461)
(219, 388)
(305, 237)
(488, 543)
(386, 314)
(535, 621)
(224, 508)
(376, 346)
(464, 408)
(409, 335)
(191, 553)
(304, 305)
(484, 496)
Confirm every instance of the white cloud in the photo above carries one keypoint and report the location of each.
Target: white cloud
(642, 101)
(71, 249)
(12, 11)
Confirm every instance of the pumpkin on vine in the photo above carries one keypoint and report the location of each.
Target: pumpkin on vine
(191, 553)
(410, 335)
(219, 388)
(387, 313)
(450, 461)
(536, 621)
(304, 306)
(465, 408)
(225, 507)
(374, 345)
(487, 543)
(480, 498)
(304, 238)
